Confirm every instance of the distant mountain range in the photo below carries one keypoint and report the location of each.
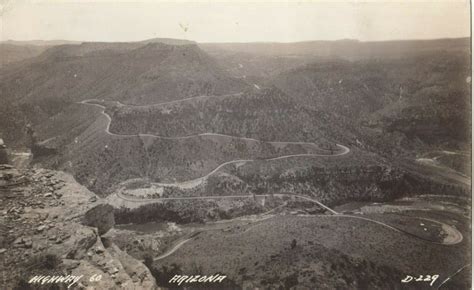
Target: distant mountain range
(385, 97)
(39, 87)
(139, 72)
(422, 98)
(12, 51)
(347, 48)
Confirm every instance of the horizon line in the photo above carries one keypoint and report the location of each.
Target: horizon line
(239, 42)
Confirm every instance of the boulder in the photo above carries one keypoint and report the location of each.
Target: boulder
(100, 217)
(41, 228)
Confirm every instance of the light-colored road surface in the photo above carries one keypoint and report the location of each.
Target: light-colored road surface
(445, 170)
(173, 249)
(197, 181)
(173, 102)
(152, 200)
(109, 121)
(454, 236)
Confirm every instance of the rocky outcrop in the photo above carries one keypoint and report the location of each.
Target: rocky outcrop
(115, 268)
(140, 275)
(100, 217)
(40, 219)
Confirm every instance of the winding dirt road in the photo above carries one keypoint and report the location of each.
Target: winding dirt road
(151, 200)
(109, 121)
(173, 249)
(175, 101)
(455, 236)
(197, 181)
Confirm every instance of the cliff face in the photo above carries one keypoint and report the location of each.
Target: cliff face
(41, 215)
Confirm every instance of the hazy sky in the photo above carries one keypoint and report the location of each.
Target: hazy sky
(233, 22)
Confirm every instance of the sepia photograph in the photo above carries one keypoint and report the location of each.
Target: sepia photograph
(235, 145)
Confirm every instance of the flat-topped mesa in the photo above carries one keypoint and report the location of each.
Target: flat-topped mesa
(169, 41)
